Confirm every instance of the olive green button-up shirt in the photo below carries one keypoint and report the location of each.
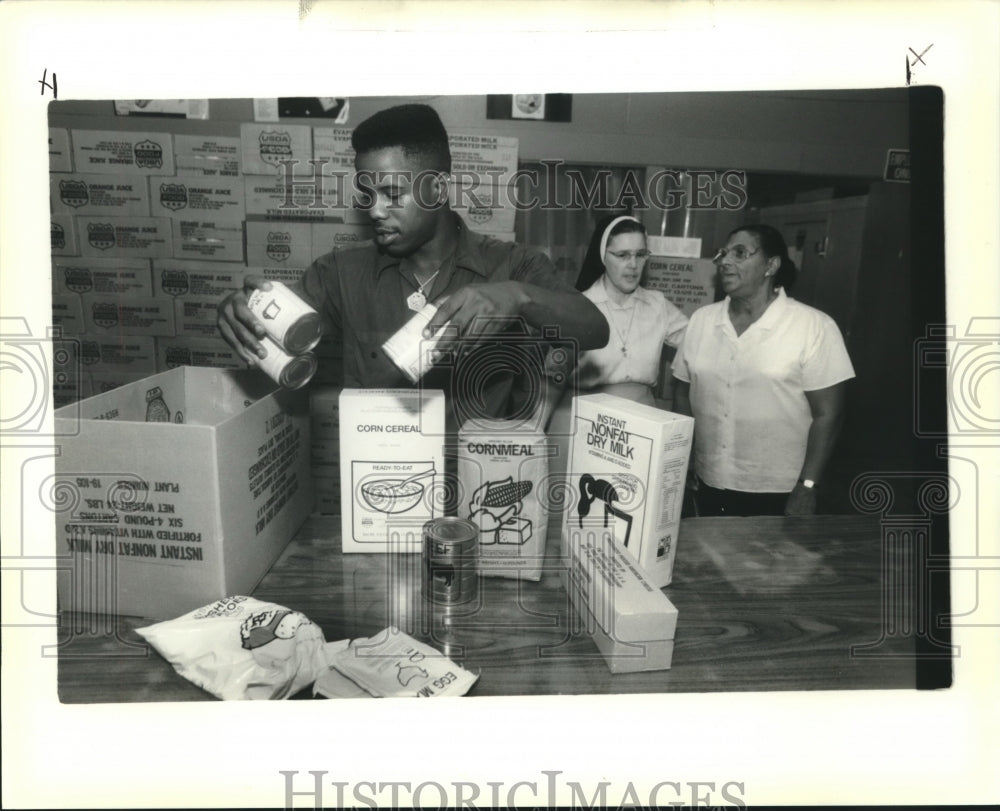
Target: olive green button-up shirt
(362, 296)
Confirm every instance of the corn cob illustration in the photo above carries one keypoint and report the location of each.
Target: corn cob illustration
(505, 493)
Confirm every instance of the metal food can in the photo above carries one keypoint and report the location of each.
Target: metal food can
(409, 349)
(287, 318)
(450, 554)
(288, 371)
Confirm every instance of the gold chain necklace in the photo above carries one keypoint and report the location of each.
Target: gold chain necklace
(416, 301)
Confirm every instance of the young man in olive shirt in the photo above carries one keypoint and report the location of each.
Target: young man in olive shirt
(498, 296)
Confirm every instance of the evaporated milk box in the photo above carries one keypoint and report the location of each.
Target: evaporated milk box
(391, 467)
(502, 465)
(627, 467)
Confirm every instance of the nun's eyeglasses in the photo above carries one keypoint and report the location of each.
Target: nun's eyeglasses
(738, 252)
(624, 256)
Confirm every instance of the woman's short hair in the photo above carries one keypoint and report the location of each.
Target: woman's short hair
(415, 128)
(772, 243)
(593, 262)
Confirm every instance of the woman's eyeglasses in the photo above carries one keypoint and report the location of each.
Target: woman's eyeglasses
(738, 252)
(624, 256)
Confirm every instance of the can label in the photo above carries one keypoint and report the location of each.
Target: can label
(288, 371)
(288, 319)
(410, 350)
(450, 554)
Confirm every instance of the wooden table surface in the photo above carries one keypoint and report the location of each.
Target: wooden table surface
(763, 604)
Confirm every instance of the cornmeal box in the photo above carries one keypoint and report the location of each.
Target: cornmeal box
(630, 620)
(178, 490)
(502, 465)
(627, 467)
(391, 466)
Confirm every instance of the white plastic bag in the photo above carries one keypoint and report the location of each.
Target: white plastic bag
(243, 648)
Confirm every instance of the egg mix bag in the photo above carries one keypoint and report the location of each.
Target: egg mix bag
(392, 664)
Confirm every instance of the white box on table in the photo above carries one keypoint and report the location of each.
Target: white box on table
(386, 437)
(628, 464)
(190, 483)
(631, 621)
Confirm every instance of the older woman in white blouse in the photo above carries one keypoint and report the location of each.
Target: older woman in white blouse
(641, 320)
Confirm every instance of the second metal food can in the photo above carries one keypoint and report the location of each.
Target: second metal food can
(288, 371)
(450, 555)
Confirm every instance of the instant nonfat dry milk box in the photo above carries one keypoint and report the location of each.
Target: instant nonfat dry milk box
(503, 476)
(627, 467)
(391, 467)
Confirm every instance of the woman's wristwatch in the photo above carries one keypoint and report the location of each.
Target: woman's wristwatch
(809, 484)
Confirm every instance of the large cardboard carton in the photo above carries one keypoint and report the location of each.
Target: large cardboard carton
(265, 146)
(207, 155)
(179, 277)
(186, 351)
(391, 466)
(182, 488)
(106, 277)
(125, 237)
(627, 467)
(485, 206)
(127, 315)
(105, 195)
(631, 621)
(279, 243)
(194, 198)
(60, 154)
(62, 234)
(134, 354)
(116, 152)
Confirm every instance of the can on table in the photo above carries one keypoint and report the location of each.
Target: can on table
(288, 371)
(288, 319)
(450, 552)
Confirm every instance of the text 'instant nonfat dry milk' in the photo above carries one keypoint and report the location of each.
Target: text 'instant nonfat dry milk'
(628, 464)
(503, 472)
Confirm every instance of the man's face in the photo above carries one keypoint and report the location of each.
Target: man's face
(403, 197)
